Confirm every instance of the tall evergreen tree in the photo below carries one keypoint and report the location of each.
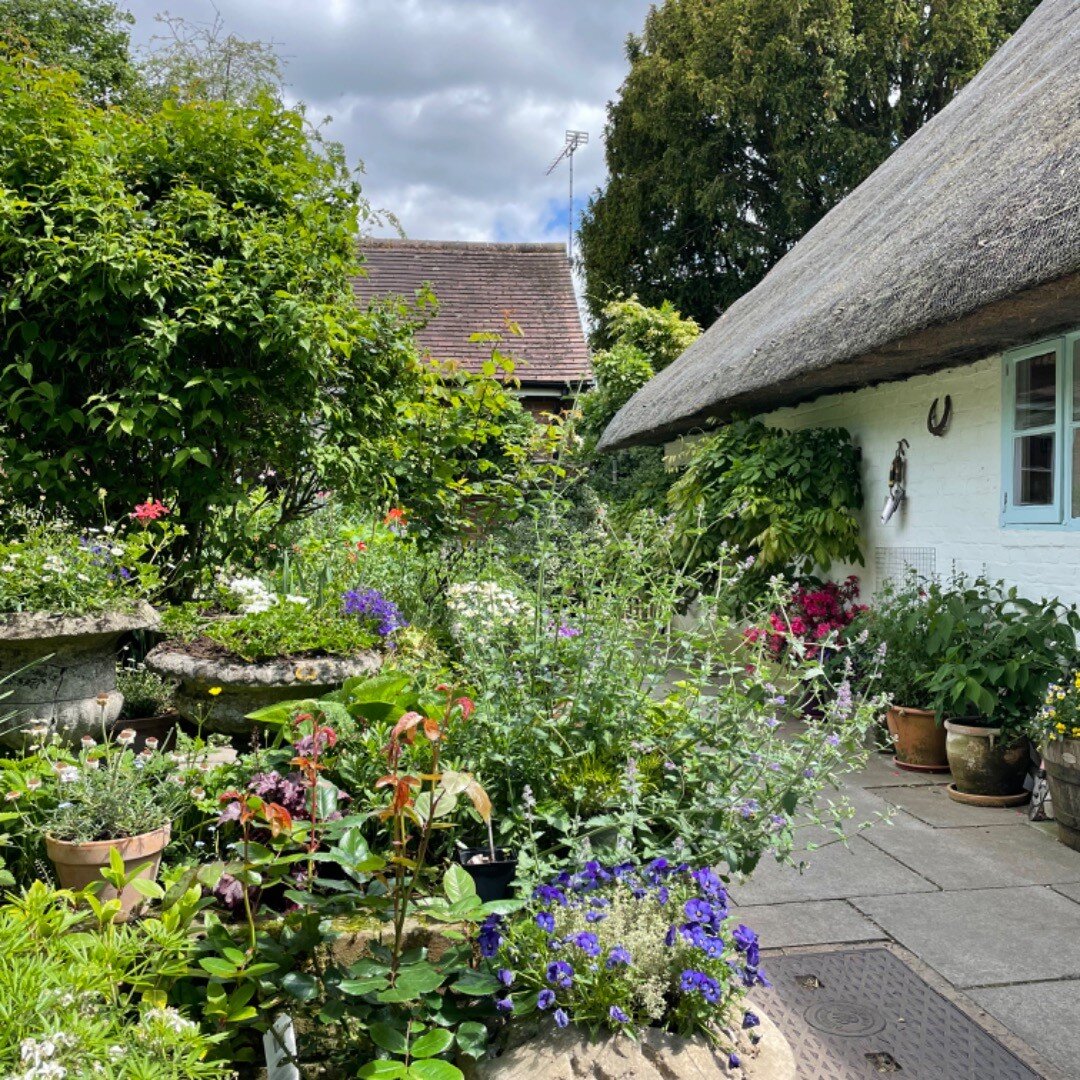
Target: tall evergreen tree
(742, 122)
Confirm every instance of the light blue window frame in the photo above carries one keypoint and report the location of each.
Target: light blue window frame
(1065, 430)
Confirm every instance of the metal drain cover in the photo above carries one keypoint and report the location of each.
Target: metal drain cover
(858, 1014)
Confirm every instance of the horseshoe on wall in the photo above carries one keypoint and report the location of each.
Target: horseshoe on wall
(935, 426)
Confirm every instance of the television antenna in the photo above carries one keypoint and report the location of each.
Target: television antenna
(574, 140)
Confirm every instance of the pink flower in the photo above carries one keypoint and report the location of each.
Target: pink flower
(150, 510)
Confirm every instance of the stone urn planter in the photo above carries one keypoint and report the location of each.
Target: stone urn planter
(1061, 757)
(987, 771)
(919, 739)
(568, 1054)
(247, 687)
(61, 670)
(79, 865)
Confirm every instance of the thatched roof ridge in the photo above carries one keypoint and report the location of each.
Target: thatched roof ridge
(966, 240)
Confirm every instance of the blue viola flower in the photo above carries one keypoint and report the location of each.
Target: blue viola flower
(750, 1020)
(710, 884)
(588, 943)
(550, 894)
(698, 910)
(595, 916)
(490, 937)
(561, 1019)
(560, 973)
(546, 921)
(743, 937)
(669, 937)
(733, 1060)
(618, 956)
(546, 999)
(504, 1004)
(505, 976)
(618, 1015)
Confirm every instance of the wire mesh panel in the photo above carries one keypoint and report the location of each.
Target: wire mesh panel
(895, 563)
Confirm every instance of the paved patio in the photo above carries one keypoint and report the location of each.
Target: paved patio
(988, 901)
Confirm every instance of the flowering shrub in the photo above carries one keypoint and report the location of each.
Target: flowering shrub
(482, 610)
(50, 566)
(812, 620)
(627, 947)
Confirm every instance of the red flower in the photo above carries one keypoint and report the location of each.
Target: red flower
(361, 546)
(395, 516)
(150, 510)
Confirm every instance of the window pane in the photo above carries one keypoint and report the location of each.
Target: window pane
(1076, 473)
(1033, 470)
(1076, 379)
(1035, 391)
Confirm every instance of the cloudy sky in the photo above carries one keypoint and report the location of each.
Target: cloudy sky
(456, 107)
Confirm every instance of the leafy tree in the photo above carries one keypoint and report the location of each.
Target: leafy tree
(741, 122)
(89, 37)
(195, 61)
(176, 308)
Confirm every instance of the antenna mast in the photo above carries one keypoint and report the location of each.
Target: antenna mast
(574, 139)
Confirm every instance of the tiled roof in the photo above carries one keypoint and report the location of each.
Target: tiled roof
(479, 288)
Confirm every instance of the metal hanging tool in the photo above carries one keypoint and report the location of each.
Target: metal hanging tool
(897, 480)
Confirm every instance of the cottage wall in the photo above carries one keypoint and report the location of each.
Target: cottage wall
(954, 483)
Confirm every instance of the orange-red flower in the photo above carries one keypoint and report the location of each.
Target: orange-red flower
(150, 510)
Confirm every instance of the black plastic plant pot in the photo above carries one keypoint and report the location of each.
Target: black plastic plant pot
(493, 879)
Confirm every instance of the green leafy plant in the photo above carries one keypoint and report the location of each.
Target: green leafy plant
(787, 500)
(146, 694)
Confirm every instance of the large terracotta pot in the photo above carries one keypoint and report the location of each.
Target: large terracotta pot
(1062, 760)
(244, 688)
(983, 765)
(79, 865)
(60, 671)
(919, 739)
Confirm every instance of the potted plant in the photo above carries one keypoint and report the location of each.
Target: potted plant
(1056, 729)
(894, 657)
(250, 648)
(109, 809)
(67, 597)
(995, 653)
(629, 970)
(148, 708)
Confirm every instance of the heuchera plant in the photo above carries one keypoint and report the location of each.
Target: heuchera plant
(628, 947)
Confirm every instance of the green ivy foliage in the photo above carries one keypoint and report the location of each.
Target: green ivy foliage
(787, 498)
(176, 310)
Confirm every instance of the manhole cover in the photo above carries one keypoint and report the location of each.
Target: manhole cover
(844, 1018)
(865, 1013)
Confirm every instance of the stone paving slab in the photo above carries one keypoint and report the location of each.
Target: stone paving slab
(1071, 891)
(834, 873)
(881, 771)
(1043, 1014)
(995, 857)
(932, 805)
(816, 922)
(985, 937)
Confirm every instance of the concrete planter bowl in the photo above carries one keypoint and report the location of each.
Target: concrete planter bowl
(247, 687)
(568, 1054)
(987, 771)
(56, 668)
(1062, 760)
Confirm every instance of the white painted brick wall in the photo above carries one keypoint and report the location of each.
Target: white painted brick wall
(953, 483)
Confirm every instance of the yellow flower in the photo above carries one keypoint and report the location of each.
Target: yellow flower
(1060, 728)
(214, 691)
(1060, 695)
(1076, 732)
(1076, 680)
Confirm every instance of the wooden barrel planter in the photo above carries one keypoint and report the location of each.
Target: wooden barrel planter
(1061, 758)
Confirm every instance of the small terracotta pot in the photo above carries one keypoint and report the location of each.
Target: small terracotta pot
(919, 739)
(79, 865)
(982, 764)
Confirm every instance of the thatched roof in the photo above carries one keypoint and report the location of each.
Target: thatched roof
(966, 240)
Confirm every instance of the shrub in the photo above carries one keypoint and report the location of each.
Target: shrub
(177, 310)
(788, 499)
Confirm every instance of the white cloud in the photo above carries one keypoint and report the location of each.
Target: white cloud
(456, 107)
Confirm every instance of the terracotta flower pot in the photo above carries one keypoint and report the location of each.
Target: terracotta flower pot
(1062, 760)
(79, 865)
(919, 739)
(984, 766)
